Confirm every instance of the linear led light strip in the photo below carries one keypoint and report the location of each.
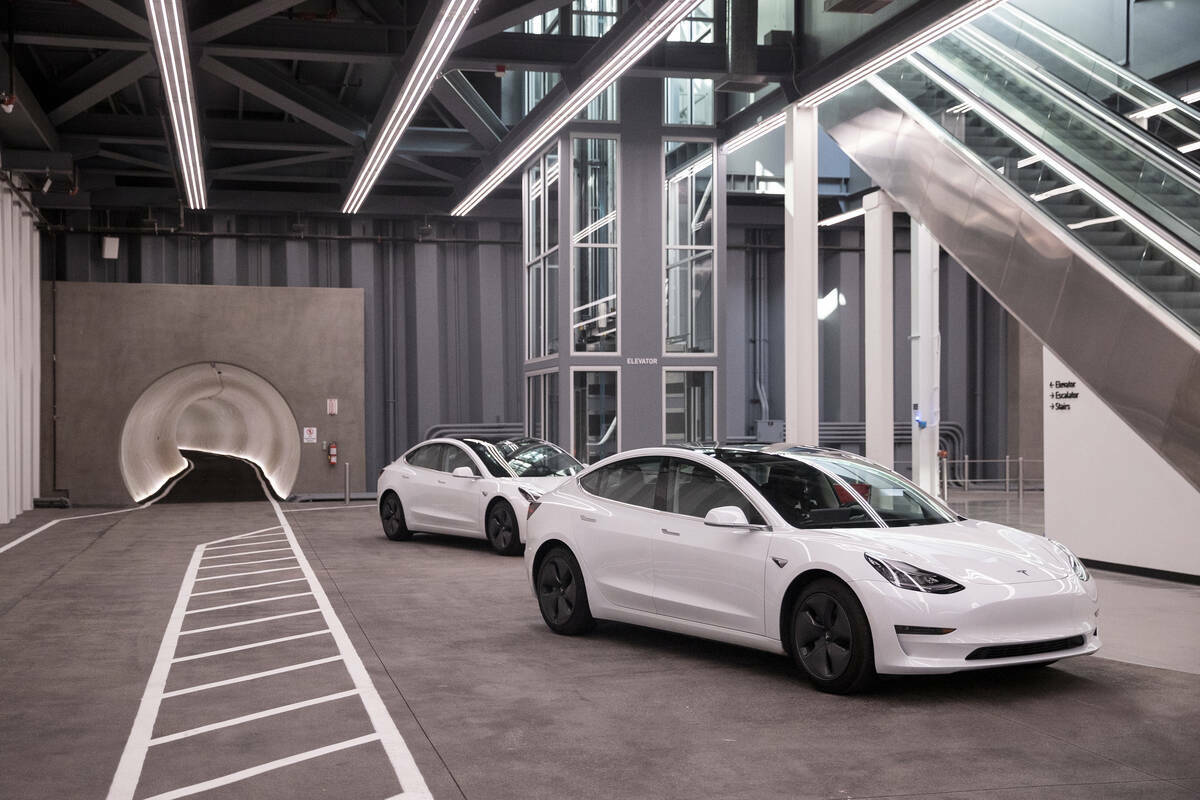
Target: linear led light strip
(843, 217)
(663, 21)
(760, 128)
(899, 51)
(426, 69)
(170, 44)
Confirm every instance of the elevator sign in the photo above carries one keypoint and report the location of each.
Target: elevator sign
(310, 435)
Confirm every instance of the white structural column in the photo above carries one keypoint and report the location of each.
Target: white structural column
(926, 358)
(878, 304)
(20, 359)
(801, 364)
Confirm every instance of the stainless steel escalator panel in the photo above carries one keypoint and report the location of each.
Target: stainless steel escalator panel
(918, 153)
(1037, 269)
(1025, 259)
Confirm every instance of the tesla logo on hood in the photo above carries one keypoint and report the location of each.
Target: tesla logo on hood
(1023, 571)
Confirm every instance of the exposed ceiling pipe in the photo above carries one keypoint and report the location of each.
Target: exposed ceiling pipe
(9, 98)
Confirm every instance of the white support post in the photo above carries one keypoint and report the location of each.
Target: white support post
(878, 303)
(926, 357)
(801, 365)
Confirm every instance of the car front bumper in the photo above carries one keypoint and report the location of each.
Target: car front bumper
(1010, 620)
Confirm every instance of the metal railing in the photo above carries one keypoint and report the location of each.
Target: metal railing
(1008, 474)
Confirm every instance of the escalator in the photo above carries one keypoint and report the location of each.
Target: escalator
(1054, 190)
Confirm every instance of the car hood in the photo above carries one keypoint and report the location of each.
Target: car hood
(541, 485)
(971, 552)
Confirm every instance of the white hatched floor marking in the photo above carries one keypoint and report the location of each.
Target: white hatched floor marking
(251, 646)
(270, 712)
(250, 602)
(256, 621)
(250, 563)
(141, 736)
(247, 553)
(330, 508)
(251, 586)
(240, 574)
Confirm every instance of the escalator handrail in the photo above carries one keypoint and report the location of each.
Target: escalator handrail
(1124, 74)
(1100, 193)
(1159, 151)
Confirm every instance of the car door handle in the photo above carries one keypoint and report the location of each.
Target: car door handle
(587, 518)
(670, 533)
(406, 477)
(441, 481)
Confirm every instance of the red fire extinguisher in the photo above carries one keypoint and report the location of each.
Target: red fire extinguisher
(332, 453)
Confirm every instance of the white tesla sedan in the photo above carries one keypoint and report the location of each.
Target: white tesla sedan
(843, 565)
(470, 487)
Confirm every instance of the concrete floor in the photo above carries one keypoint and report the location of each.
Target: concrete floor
(489, 703)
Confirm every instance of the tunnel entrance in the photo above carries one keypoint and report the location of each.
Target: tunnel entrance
(215, 479)
(214, 409)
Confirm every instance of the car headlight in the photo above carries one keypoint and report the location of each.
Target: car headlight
(1076, 565)
(906, 576)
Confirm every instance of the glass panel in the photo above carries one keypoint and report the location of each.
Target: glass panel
(551, 415)
(633, 481)
(594, 316)
(540, 460)
(551, 203)
(689, 101)
(694, 490)
(490, 456)
(595, 189)
(804, 496)
(688, 405)
(535, 424)
(533, 213)
(701, 211)
(592, 17)
(899, 502)
(537, 85)
(535, 310)
(457, 457)
(696, 26)
(604, 107)
(595, 412)
(429, 457)
(550, 303)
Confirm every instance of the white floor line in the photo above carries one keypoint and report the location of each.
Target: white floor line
(251, 586)
(250, 563)
(253, 676)
(329, 508)
(251, 602)
(270, 712)
(251, 646)
(138, 507)
(247, 553)
(242, 574)
(258, 543)
(405, 767)
(255, 621)
(242, 775)
(250, 535)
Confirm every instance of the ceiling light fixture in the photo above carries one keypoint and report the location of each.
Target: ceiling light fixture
(1152, 111)
(899, 51)
(1191, 97)
(171, 45)
(662, 22)
(836, 218)
(450, 23)
(760, 128)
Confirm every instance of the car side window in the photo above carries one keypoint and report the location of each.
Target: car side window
(633, 481)
(694, 490)
(457, 457)
(429, 457)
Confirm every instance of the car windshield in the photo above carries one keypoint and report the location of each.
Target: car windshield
(533, 458)
(897, 501)
(803, 495)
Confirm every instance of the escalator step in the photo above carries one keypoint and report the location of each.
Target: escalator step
(1071, 211)
(1102, 237)
(1145, 269)
(1184, 300)
(1191, 315)
(1126, 252)
(1165, 283)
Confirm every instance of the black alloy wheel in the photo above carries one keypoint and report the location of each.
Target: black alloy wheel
(831, 638)
(561, 594)
(391, 514)
(502, 531)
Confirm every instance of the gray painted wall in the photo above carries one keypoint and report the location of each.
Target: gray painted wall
(111, 341)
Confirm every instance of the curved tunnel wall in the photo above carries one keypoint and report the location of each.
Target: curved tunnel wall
(212, 407)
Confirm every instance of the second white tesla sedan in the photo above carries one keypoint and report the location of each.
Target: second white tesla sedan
(470, 487)
(845, 566)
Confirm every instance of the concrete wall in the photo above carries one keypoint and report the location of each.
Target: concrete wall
(1109, 496)
(110, 342)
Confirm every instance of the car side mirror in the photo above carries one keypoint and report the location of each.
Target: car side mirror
(464, 472)
(726, 517)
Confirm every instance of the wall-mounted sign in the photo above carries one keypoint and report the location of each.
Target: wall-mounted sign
(331, 406)
(1061, 395)
(641, 360)
(310, 435)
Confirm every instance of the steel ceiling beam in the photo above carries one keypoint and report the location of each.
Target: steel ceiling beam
(27, 126)
(515, 14)
(290, 161)
(465, 104)
(242, 18)
(110, 84)
(428, 169)
(283, 92)
(119, 14)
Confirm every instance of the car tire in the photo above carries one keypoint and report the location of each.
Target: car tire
(391, 515)
(562, 597)
(831, 638)
(502, 529)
